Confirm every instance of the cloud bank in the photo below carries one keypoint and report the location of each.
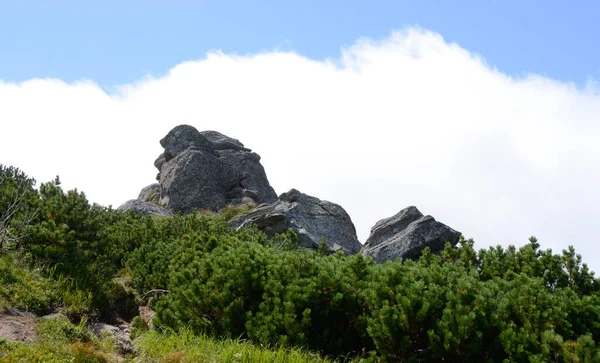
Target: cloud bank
(408, 120)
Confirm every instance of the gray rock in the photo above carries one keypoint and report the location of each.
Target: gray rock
(151, 193)
(387, 227)
(17, 312)
(181, 138)
(54, 316)
(208, 170)
(310, 217)
(145, 208)
(119, 333)
(158, 163)
(406, 234)
(221, 142)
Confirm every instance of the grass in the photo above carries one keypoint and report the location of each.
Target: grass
(229, 212)
(59, 340)
(25, 288)
(186, 347)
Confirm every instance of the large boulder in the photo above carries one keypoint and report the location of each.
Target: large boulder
(208, 170)
(311, 218)
(145, 208)
(406, 234)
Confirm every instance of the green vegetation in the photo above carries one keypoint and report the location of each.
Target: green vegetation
(189, 347)
(152, 195)
(58, 340)
(26, 288)
(225, 295)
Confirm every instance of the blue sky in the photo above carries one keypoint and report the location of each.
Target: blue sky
(115, 42)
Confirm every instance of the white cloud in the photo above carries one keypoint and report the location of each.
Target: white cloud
(408, 120)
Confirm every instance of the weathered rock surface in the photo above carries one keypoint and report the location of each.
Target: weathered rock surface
(18, 328)
(145, 208)
(310, 217)
(208, 170)
(119, 333)
(151, 193)
(406, 234)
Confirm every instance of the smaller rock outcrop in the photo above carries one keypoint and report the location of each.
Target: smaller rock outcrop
(119, 333)
(311, 218)
(151, 193)
(145, 208)
(406, 234)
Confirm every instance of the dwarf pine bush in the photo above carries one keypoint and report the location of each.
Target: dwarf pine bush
(207, 280)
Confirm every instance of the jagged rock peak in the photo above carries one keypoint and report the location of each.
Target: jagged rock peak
(209, 170)
(406, 234)
(311, 218)
(185, 137)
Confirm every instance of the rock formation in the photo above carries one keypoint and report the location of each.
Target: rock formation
(406, 234)
(145, 208)
(311, 218)
(208, 170)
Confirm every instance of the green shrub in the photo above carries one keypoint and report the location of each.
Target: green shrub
(62, 330)
(77, 304)
(24, 287)
(138, 327)
(312, 301)
(244, 289)
(460, 308)
(218, 284)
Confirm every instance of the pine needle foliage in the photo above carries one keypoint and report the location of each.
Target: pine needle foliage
(205, 279)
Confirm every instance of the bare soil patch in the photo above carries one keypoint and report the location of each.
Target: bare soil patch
(18, 328)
